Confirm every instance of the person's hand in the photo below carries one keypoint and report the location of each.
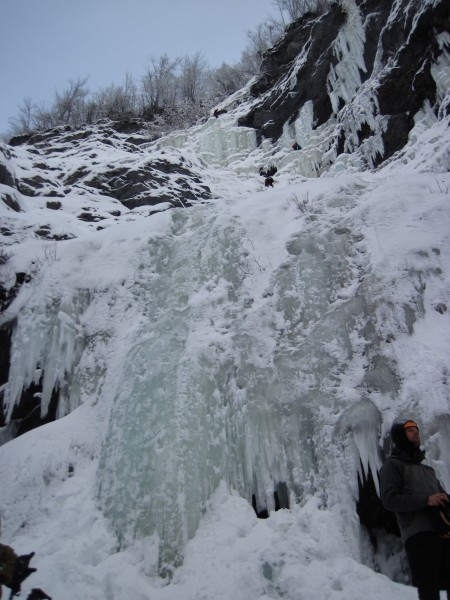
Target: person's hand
(439, 499)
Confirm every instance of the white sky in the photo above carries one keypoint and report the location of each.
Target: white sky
(44, 44)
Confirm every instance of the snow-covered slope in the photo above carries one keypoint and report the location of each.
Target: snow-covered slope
(201, 367)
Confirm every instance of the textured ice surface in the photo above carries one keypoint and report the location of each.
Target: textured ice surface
(260, 344)
(226, 352)
(233, 358)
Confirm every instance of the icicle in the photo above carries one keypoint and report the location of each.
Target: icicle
(47, 343)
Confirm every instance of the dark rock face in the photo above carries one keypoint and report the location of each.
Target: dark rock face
(311, 35)
(6, 177)
(33, 186)
(400, 48)
(7, 295)
(11, 202)
(141, 186)
(54, 205)
(5, 343)
(403, 90)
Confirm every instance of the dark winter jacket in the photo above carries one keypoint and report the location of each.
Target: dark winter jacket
(405, 485)
(7, 564)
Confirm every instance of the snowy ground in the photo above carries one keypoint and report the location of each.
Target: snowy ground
(195, 291)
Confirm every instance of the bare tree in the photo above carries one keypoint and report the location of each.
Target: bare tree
(159, 84)
(226, 80)
(24, 121)
(68, 107)
(69, 104)
(117, 101)
(261, 39)
(44, 118)
(192, 78)
(294, 9)
(92, 111)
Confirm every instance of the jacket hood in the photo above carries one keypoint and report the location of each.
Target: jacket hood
(399, 438)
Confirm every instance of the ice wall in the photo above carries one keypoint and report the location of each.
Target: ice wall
(218, 142)
(237, 374)
(243, 341)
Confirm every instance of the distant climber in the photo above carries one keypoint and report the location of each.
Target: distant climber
(218, 112)
(296, 146)
(268, 181)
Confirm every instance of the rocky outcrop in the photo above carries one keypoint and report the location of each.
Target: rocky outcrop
(309, 37)
(147, 184)
(365, 65)
(112, 160)
(6, 174)
(105, 127)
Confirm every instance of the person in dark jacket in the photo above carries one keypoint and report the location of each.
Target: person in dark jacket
(7, 563)
(412, 490)
(268, 181)
(14, 569)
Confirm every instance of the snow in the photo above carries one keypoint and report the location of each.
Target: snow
(260, 342)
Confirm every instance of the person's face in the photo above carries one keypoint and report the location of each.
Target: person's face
(413, 435)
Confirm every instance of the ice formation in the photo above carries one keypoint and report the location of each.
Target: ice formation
(224, 356)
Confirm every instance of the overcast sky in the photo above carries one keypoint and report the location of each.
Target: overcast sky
(44, 43)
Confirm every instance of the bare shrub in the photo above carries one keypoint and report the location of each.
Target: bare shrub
(301, 203)
(51, 254)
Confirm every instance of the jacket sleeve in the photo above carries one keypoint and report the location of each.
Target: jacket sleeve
(441, 489)
(391, 485)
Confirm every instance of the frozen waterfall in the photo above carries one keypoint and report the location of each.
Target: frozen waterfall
(222, 351)
(200, 369)
(230, 380)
